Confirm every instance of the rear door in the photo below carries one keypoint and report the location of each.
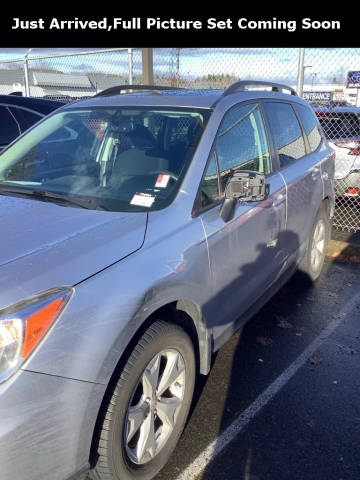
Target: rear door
(300, 166)
(245, 253)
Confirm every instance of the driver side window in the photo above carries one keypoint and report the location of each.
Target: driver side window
(241, 144)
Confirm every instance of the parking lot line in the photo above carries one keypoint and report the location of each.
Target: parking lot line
(217, 446)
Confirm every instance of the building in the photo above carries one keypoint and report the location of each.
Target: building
(57, 85)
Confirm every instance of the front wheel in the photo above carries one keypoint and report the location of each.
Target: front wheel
(314, 258)
(148, 407)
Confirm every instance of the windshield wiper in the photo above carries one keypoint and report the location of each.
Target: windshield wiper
(47, 196)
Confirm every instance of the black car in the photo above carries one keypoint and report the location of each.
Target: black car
(17, 114)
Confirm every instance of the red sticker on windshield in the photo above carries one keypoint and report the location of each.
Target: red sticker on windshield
(162, 180)
(98, 127)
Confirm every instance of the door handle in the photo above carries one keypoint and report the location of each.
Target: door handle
(315, 173)
(279, 199)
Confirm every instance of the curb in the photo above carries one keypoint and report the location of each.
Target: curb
(343, 251)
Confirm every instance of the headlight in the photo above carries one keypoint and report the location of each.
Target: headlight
(23, 325)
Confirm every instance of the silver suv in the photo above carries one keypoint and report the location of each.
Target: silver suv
(140, 230)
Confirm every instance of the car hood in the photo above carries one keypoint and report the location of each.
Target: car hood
(44, 245)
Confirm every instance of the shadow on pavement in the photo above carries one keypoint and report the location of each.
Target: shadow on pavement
(249, 362)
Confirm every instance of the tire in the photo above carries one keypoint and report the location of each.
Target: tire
(313, 260)
(126, 451)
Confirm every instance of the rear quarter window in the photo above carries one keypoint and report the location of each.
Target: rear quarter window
(310, 124)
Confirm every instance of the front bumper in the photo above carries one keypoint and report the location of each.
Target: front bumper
(46, 426)
(351, 180)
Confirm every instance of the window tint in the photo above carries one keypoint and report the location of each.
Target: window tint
(24, 118)
(287, 133)
(9, 127)
(310, 123)
(209, 187)
(241, 142)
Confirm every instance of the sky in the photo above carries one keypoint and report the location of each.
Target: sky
(276, 64)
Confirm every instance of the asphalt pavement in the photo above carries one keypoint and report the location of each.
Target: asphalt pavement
(282, 398)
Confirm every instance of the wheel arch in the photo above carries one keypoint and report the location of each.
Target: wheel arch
(326, 201)
(188, 314)
(330, 207)
(183, 312)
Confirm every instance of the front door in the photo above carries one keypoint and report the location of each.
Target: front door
(246, 254)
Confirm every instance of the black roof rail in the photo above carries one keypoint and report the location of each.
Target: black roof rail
(117, 90)
(240, 86)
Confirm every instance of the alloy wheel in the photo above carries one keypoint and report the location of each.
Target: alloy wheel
(154, 406)
(318, 245)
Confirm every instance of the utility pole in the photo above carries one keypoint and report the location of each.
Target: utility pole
(313, 75)
(147, 66)
(26, 73)
(300, 76)
(130, 61)
(177, 67)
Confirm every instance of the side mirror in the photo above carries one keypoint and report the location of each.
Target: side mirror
(244, 186)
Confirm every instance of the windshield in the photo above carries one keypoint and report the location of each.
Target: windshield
(118, 159)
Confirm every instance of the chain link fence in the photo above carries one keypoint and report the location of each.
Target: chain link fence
(330, 81)
(328, 78)
(12, 77)
(219, 67)
(71, 76)
(334, 93)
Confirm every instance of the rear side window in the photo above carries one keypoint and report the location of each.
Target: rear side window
(286, 131)
(10, 128)
(340, 125)
(310, 124)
